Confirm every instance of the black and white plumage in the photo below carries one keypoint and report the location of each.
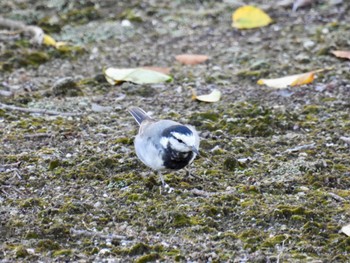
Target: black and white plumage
(164, 144)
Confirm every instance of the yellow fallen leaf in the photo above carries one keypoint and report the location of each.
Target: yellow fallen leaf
(247, 17)
(293, 80)
(60, 44)
(341, 53)
(303, 79)
(135, 75)
(49, 41)
(214, 96)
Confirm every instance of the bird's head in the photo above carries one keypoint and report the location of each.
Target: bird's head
(179, 138)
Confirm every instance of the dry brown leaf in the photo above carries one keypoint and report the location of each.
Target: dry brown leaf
(191, 59)
(341, 53)
(159, 69)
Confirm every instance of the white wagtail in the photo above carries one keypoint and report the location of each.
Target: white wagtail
(164, 144)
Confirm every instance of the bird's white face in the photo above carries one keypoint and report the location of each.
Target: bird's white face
(179, 142)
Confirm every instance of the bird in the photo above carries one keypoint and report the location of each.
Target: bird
(164, 144)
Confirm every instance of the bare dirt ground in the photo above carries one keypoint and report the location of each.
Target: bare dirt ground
(272, 184)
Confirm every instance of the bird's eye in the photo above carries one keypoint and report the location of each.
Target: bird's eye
(179, 140)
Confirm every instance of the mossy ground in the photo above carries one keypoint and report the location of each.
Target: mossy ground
(80, 194)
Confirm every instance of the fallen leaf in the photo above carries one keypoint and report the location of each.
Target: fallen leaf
(158, 69)
(50, 41)
(214, 96)
(135, 75)
(293, 80)
(61, 44)
(303, 79)
(341, 53)
(247, 17)
(346, 230)
(191, 59)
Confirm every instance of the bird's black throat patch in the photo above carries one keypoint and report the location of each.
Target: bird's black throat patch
(176, 160)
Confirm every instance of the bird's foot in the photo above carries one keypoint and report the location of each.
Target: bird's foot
(166, 188)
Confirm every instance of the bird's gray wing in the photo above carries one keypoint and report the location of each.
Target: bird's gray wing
(147, 142)
(154, 129)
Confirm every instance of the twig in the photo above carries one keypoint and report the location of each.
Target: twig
(77, 232)
(11, 167)
(336, 197)
(4, 167)
(281, 251)
(10, 170)
(36, 32)
(36, 110)
(301, 148)
(37, 135)
(10, 187)
(6, 32)
(208, 194)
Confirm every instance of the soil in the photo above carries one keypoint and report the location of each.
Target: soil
(271, 184)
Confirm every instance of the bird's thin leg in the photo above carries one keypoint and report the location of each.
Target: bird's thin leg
(161, 179)
(164, 184)
(188, 172)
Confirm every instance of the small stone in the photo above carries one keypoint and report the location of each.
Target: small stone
(309, 44)
(66, 87)
(126, 23)
(325, 31)
(97, 204)
(304, 188)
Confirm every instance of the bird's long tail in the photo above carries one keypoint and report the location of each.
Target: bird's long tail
(139, 114)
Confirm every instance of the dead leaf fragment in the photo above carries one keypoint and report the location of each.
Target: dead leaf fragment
(214, 96)
(247, 17)
(50, 41)
(135, 75)
(346, 230)
(158, 69)
(293, 80)
(341, 53)
(303, 79)
(191, 59)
